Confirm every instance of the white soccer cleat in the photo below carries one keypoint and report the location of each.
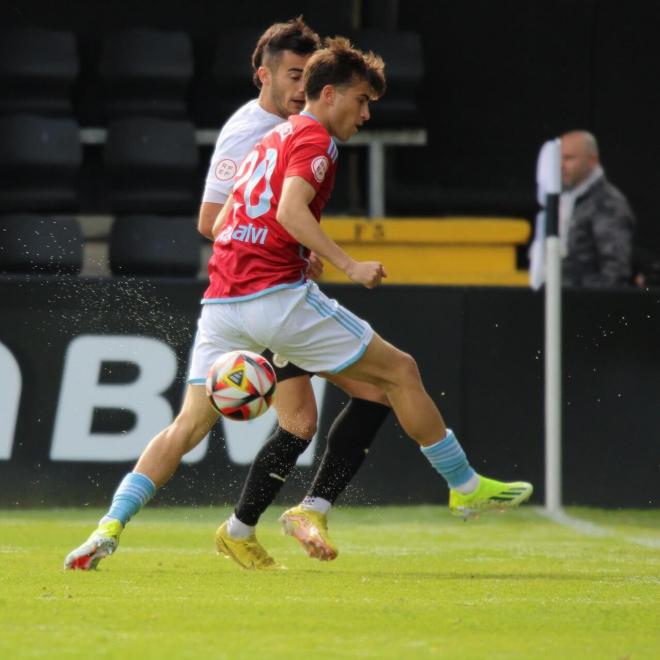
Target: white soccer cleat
(102, 543)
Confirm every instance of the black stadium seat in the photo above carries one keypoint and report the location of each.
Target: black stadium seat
(404, 69)
(33, 244)
(146, 72)
(151, 166)
(37, 70)
(154, 245)
(232, 71)
(40, 160)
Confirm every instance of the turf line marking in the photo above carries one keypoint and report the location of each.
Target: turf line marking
(646, 542)
(588, 528)
(582, 526)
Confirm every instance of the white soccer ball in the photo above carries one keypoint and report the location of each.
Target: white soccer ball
(241, 384)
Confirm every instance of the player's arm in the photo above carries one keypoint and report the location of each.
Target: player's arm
(208, 212)
(221, 217)
(294, 215)
(220, 179)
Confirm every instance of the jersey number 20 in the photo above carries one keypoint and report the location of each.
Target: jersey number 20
(251, 174)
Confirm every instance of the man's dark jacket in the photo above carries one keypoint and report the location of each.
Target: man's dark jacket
(600, 238)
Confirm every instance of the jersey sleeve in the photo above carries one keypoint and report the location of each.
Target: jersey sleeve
(310, 160)
(230, 149)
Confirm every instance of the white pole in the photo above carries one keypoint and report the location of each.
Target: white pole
(553, 351)
(553, 476)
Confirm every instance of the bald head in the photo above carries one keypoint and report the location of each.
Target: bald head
(579, 157)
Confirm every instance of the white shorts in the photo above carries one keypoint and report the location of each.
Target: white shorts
(301, 324)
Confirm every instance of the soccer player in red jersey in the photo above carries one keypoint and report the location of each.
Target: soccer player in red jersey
(259, 295)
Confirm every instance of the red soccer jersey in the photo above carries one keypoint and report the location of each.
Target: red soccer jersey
(254, 254)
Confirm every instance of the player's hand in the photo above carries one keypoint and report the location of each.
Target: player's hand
(367, 273)
(315, 267)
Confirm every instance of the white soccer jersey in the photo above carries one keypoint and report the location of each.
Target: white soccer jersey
(240, 133)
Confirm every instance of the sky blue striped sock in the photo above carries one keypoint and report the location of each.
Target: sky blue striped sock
(449, 459)
(134, 491)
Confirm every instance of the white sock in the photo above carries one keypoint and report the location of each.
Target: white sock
(316, 504)
(469, 486)
(238, 529)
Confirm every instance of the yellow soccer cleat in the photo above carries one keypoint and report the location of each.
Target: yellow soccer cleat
(310, 529)
(102, 543)
(247, 553)
(489, 495)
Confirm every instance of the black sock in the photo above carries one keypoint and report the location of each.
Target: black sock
(349, 440)
(268, 473)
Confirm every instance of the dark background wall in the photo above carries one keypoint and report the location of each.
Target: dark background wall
(500, 77)
(503, 76)
(480, 352)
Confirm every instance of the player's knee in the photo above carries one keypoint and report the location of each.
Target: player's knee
(299, 423)
(404, 369)
(301, 420)
(296, 410)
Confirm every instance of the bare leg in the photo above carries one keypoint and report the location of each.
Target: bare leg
(163, 454)
(396, 373)
(358, 389)
(157, 464)
(296, 406)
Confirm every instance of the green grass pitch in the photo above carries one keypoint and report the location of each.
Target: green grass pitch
(409, 583)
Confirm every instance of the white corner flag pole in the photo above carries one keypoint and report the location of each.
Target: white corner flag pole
(553, 351)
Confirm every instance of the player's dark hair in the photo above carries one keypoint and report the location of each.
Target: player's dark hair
(340, 64)
(294, 35)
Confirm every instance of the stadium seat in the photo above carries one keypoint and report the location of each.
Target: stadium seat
(37, 70)
(154, 245)
(229, 83)
(146, 72)
(40, 159)
(151, 166)
(402, 52)
(35, 244)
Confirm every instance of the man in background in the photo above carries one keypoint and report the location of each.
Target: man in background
(596, 222)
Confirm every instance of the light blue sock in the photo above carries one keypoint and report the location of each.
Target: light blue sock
(134, 491)
(449, 459)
